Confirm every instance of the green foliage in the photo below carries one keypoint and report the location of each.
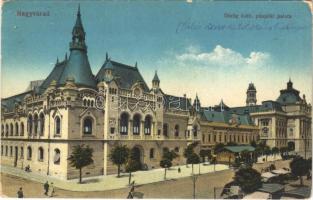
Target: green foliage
(203, 153)
(193, 159)
(299, 167)
(170, 155)
(275, 150)
(119, 156)
(253, 143)
(218, 148)
(248, 179)
(81, 157)
(165, 163)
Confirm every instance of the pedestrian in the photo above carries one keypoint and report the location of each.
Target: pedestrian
(46, 188)
(52, 189)
(179, 170)
(20, 193)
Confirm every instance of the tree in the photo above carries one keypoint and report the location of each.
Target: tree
(165, 163)
(119, 156)
(131, 166)
(248, 179)
(170, 155)
(81, 157)
(193, 159)
(275, 150)
(189, 150)
(267, 151)
(245, 155)
(218, 148)
(253, 143)
(299, 167)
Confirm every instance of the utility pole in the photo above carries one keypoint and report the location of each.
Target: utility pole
(194, 179)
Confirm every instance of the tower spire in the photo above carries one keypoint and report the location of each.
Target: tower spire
(78, 34)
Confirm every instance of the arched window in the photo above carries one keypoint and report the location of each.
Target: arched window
(165, 130)
(195, 130)
(88, 103)
(11, 151)
(148, 125)
(85, 102)
(30, 125)
(2, 130)
(22, 152)
(91, 104)
(176, 130)
(165, 149)
(6, 150)
(42, 124)
(151, 153)
(7, 130)
(57, 125)
(29, 153)
(176, 149)
(136, 124)
(40, 154)
(16, 128)
(1, 150)
(11, 129)
(35, 124)
(22, 129)
(87, 126)
(124, 124)
(57, 156)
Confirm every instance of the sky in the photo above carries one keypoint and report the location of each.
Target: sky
(213, 49)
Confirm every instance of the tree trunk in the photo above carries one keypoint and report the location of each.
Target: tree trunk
(192, 168)
(301, 180)
(80, 175)
(164, 173)
(199, 168)
(130, 177)
(118, 170)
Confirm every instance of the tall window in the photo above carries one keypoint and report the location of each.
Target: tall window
(151, 153)
(195, 130)
(30, 125)
(29, 153)
(11, 151)
(1, 150)
(36, 124)
(57, 125)
(42, 123)
(176, 130)
(6, 150)
(124, 124)
(22, 129)
(11, 129)
(148, 125)
(57, 156)
(2, 130)
(40, 154)
(6, 130)
(88, 126)
(165, 130)
(16, 128)
(136, 124)
(22, 152)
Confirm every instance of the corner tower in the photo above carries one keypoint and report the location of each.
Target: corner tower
(77, 65)
(251, 95)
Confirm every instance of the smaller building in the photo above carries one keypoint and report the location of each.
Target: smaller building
(230, 153)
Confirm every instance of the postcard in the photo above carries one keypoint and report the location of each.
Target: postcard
(156, 99)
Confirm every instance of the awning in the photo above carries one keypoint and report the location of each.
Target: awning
(301, 192)
(271, 188)
(280, 171)
(268, 175)
(258, 195)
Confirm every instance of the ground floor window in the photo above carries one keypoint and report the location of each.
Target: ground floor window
(152, 153)
(57, 156)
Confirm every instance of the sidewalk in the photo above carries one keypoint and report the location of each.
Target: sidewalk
(110, 182)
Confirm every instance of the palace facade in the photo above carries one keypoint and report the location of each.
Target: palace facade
(72, 106)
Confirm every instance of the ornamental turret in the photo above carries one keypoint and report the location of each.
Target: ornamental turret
(156, 81)
(78, 34)
(197, 104)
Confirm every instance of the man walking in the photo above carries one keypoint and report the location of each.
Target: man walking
(52, 190)
(46, 188)
(20, 193)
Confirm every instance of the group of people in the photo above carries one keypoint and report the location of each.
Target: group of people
(48, 190)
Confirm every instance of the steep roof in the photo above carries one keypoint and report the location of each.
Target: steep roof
(77, 67)
(55, 74)
(266, 106)
(9, 103)
(156, 77)
(175, 102)
(125, 75)
(34, 84)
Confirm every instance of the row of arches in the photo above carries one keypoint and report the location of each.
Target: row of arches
(8, 151)
(88, 103)
(136, 125)
(9, 129)
(166, 130)
(35, 124)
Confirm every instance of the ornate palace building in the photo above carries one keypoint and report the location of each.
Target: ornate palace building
(72, 106)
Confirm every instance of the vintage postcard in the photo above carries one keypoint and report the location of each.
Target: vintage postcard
(156, 99)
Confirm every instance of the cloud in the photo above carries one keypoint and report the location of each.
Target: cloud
(222, 57)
